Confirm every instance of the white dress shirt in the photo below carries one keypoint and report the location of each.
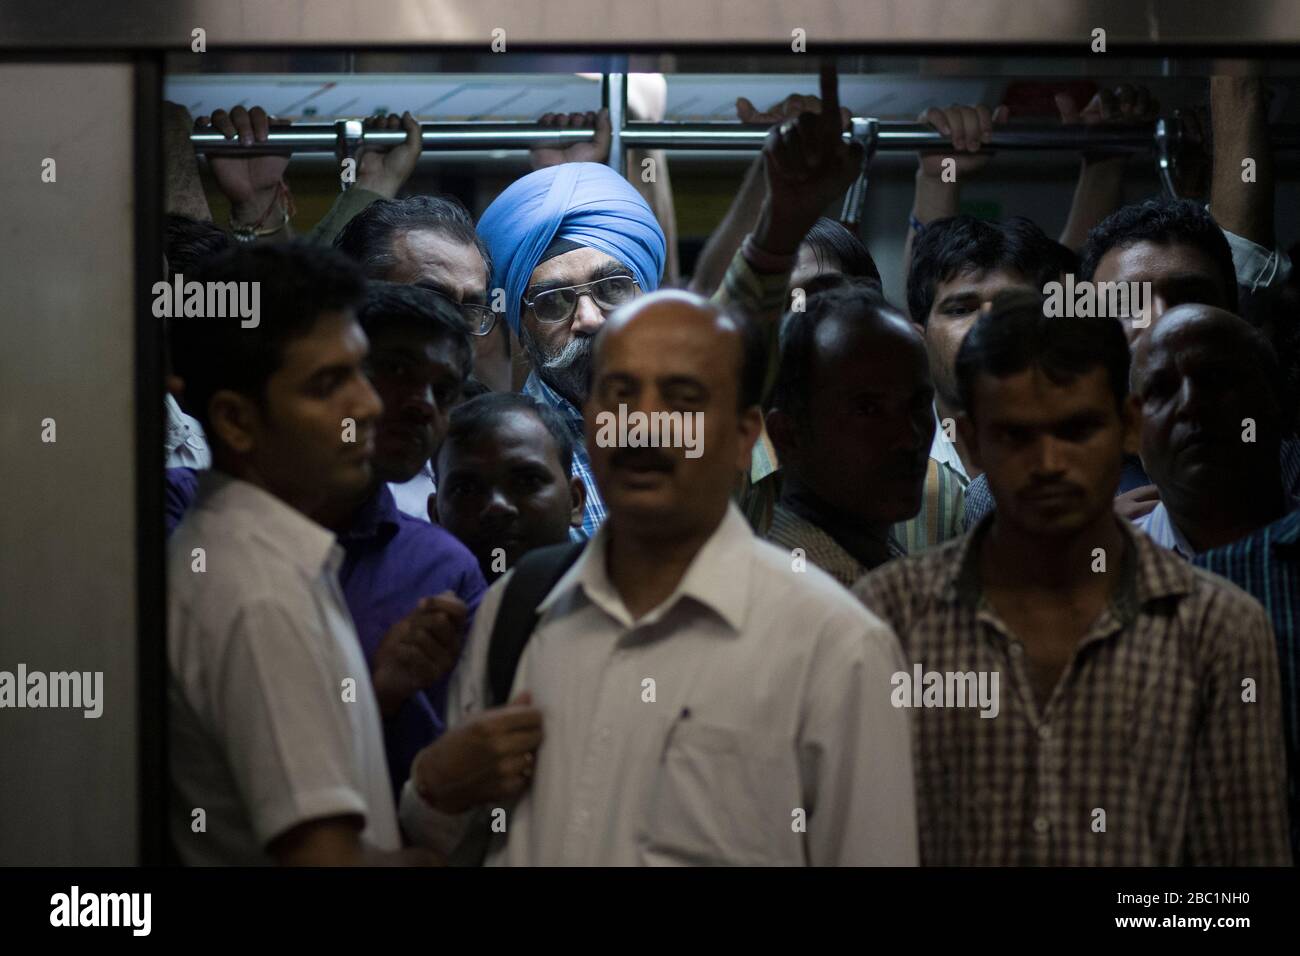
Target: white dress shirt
(412, 496)
(184, 444)
(260, 644)
(1159, 526)
(945, 452)
(770, 739)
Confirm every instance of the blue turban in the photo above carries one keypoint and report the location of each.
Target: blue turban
(586, 203)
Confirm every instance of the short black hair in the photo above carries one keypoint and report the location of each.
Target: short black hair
(187, 242)
(947, 247)
(1015, 335)
(1163, 221)
(298, 283)
(829, 238)
(1066, 259)
(794, 378)
(472, 419)
(391, 305)
(368, 236)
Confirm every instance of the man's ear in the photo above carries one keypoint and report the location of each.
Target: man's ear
(235, 420)
(577, 501)
(970, 438)
(431, 506)
(751, 426)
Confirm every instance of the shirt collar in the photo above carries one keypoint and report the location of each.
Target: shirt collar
(248, 509)
(944, 451)
(178, 429)
(1287, 530)
(378, 517)
(796, 528)
(535, 387)
(1159, 525)
(763, 461)
(718, 577)
(1150, 572)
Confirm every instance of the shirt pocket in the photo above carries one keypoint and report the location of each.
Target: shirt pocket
(722, 797)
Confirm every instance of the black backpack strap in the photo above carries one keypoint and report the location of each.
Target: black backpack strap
(534, 576)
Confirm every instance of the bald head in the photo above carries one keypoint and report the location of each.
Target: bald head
(1212, 412)
(672, 356)
(672, 315)
(1205, 326)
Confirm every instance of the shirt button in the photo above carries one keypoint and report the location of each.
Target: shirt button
(1042, 824)
(1044, 732)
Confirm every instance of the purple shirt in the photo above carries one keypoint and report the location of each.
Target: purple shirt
(391, 561)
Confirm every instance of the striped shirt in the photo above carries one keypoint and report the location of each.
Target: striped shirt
(791, 531)
(943, 510)
(941, 518)
(1267, 565)
(1147, 752)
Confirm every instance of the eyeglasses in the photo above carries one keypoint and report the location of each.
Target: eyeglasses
(558, 305)
(479, 319)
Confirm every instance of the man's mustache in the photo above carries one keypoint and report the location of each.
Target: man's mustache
(644, 459)
(576, 351)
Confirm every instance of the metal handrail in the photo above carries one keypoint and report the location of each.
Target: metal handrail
(892, 136)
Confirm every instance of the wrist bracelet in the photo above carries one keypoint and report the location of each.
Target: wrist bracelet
(257, 230)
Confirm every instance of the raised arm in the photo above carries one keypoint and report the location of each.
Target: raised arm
(936, 197)
(1239, 115)
(1100, 189)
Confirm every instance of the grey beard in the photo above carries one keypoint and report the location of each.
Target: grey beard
(566, 371)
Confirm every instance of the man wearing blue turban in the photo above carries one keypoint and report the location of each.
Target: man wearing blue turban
(569, 244)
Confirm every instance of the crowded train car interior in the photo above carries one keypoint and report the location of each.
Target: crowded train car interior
(674, 433)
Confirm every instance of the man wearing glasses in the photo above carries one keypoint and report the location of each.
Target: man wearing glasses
(569, 244)
(430, 242)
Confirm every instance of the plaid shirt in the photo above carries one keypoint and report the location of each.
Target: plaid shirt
(593, 512)
(791, 531)
(1147, 722)
(1267, 565)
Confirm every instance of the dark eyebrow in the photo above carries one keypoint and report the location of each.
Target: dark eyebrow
(677, 381)
(601, 272)
(619, 378)
(958, 295)
(430, 286)
(326, 371)
(405, 351)
(1087, 416)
